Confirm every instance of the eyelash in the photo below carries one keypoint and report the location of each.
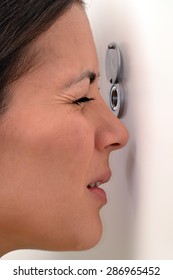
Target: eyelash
(83, 100)
(86, 99)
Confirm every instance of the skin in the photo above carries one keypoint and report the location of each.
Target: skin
(51, 148)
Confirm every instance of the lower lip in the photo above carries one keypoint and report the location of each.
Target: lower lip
(99, 193)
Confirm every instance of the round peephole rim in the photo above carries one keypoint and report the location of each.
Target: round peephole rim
(114, 98)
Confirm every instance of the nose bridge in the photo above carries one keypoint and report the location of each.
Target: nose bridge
(111, 131)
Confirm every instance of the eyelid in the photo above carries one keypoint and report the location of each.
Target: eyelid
(83, 100)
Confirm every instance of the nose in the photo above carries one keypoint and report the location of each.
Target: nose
(111, 134)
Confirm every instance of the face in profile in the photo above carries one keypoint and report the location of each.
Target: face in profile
(55, 142)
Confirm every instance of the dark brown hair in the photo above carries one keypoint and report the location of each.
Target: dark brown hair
(21, 22)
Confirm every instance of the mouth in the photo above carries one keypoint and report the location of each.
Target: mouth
(94, 186)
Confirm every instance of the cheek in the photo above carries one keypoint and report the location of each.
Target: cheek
(48, 162)
(68, 145)
(49, 165)
(49, 146)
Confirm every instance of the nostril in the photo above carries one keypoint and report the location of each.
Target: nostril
(116, 145)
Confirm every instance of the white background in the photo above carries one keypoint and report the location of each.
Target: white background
(138, 220)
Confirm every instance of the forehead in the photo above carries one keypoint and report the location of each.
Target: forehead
(69, 42)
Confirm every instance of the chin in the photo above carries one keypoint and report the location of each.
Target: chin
(89, 244)
(76, 235)
(90, 239)
(77, 241)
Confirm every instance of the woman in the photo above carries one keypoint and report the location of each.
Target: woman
(56, 132)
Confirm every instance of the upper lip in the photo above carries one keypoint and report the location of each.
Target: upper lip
(103, 178)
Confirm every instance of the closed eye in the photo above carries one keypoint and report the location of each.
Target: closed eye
(83, 100)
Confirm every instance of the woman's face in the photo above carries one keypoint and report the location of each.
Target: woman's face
(52, 147)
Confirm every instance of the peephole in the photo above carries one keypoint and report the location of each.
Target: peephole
(114, 71)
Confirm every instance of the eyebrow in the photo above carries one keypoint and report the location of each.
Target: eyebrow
(86, 74)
